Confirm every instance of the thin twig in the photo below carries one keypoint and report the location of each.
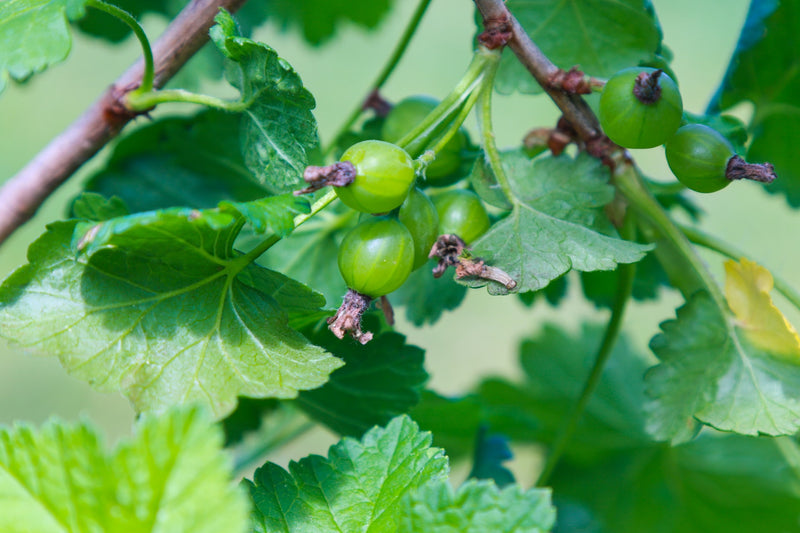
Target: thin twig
(22, 195)
(574, 108)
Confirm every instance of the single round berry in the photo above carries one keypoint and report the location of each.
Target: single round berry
(419, 215)
(405, 116)
(384, 175)
(461, 213)
(640, 108)
(698, 156)
(376, 256)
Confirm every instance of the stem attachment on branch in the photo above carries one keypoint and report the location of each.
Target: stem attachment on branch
(572, 81)
(347, 319)
(739, 169)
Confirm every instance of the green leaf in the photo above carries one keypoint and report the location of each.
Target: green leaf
(600, 287)
(310, 256)
(477, 507)
(426, 298)
(358, 487)
(456, 422)
(711, 372)
(557, 223)
(380, 380)
(319, 19)
(100, 24)
(765, 70)
(34, 35)
(190, 161)
(95, 207)
(726, 483)
(247, 417)
(491, 451)
(171, 476)
(278, 128)
(600, 36)
(275, 213)
(161, 308)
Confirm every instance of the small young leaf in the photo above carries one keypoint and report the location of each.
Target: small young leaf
(747, 287)
(711, 371)
(356, 488)
(477, 507)
(763, 70)
(158, 307)
(380, 380)
(278, 128)
(557, 223)
(171, 476)
(491, 451)
(578, 33)
(95, 207)
(34, 35)
(190, 161)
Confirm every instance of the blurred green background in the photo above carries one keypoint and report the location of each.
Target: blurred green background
(482, 336)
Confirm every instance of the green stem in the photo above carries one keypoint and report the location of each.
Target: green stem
(270, 241)
(292, 425)
(387, 70)
(627, 273)
(715, 244)
(487, 131)
(149, 70)
(471, 81)
(630, 184)
(143, 100)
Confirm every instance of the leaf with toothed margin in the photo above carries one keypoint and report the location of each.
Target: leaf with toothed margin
(160, 307)
(170, 476)
(278, 128)
(556, 225)
(600, 37)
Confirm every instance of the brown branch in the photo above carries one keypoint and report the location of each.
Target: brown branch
(575, 109)
(22, 195)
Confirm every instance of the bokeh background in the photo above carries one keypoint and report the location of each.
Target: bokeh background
(482, 336)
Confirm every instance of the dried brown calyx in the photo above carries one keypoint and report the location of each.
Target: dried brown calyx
(739, 169)
(338, 174)
(347, 320)
(646, 88)
(449, 250)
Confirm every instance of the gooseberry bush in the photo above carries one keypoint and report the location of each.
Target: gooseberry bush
(236, 278)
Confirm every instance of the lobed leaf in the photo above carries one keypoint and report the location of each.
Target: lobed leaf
(380, 380)
(34, 35)
(358, 487)
(765, 70)
(556, 224)
(426, 298)
(710, 370)
(319, 19)
(278, 128)
(161, 308)
(476, 507)
(171, 476)
(599, 36)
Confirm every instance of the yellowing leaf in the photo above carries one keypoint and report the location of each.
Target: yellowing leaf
(747, 287)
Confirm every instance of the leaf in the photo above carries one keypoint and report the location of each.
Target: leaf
(319, 19)
(380, 380)
(600, 287)
(357, 487)
(162, 309)
(426, 298)
(278, 128)
(747, 287)
(765, 70)
(171, 476)
(709, 370)
(491, 451)
(275, 213)
(311, 254)
(34, 35)
(95, 207)
(100, 24)
(725, 483)
(600, 36)
(477, 507)
(557, 223)
(190, 161)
